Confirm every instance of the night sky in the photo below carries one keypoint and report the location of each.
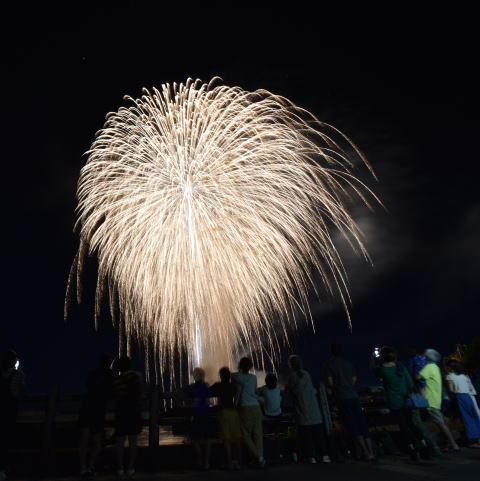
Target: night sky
(399, 81)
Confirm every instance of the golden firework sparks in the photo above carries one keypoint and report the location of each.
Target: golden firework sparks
(209, 209)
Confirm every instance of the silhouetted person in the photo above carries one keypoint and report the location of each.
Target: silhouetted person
(12, 383)
(433, 393)
(228, 418)
(91, 419)
(249, 409)
(308, 415)
(397, 384)
(460, 385)
(415, 362)
(128, 391)
(341, 376)
(271, 397)
(202, 428)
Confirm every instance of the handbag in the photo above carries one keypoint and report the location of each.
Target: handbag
(416, 400)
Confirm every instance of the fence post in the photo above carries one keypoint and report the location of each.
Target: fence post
(50, 413)
(48, 426)
(153, 433)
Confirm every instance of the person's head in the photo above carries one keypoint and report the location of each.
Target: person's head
(388, 354)
(295, 363)
(224, 374)
(456, 367)
(432, 355)
(105, 360)
(336, 349)
(9, 359)
(271, 380)
(245, 364)
(198, 374)
(123, 364)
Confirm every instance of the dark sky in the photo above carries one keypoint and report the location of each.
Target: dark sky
(399, 80)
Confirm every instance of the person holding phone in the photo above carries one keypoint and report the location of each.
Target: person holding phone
(12, 383)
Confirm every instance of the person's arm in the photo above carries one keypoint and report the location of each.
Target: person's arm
(288, 384)
(330, 381)
(17, 384)
(423, 373)
(450, 384)
(212, 390)
(354, 374)
(471, 388)
(372, 364)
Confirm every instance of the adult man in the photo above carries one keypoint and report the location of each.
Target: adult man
(433, 393)
(91, 419)
(341, 377)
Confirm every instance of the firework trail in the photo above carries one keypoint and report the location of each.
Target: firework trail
(209, 209)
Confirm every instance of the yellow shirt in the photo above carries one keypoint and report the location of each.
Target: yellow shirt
(433, 389)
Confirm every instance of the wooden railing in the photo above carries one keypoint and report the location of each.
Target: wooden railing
(160, 408)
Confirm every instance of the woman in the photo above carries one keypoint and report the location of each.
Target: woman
(461, 386)
(228, 418)
(249, 409)
(309, 417)
(398, 383)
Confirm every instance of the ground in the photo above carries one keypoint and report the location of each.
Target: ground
(463, 466)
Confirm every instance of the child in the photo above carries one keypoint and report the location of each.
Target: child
(272, 411)
(228, 418)
(271, 397)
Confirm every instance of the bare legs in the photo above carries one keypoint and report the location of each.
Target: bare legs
(448, 434)
(120, 449)
(83, 448)
(202, 456)
(233, 453)
(88, 463)
(366, 445)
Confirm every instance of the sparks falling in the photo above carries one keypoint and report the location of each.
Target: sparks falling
(210, 208)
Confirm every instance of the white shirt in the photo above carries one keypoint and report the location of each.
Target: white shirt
(246, 385)
(460, 384)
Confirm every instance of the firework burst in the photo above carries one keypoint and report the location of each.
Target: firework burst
(209, 208)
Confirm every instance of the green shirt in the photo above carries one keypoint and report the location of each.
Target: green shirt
(433, 388)
(396, 387)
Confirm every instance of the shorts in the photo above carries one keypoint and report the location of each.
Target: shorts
(128, 421)
(203, 427)
(92, 416)
(353, 417)
(229, 424)
(436, 415)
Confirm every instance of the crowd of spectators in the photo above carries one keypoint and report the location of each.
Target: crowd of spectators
(243, 415)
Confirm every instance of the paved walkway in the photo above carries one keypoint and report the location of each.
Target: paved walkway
(463, 466)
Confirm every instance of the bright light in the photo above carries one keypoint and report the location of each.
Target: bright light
(210, 209)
